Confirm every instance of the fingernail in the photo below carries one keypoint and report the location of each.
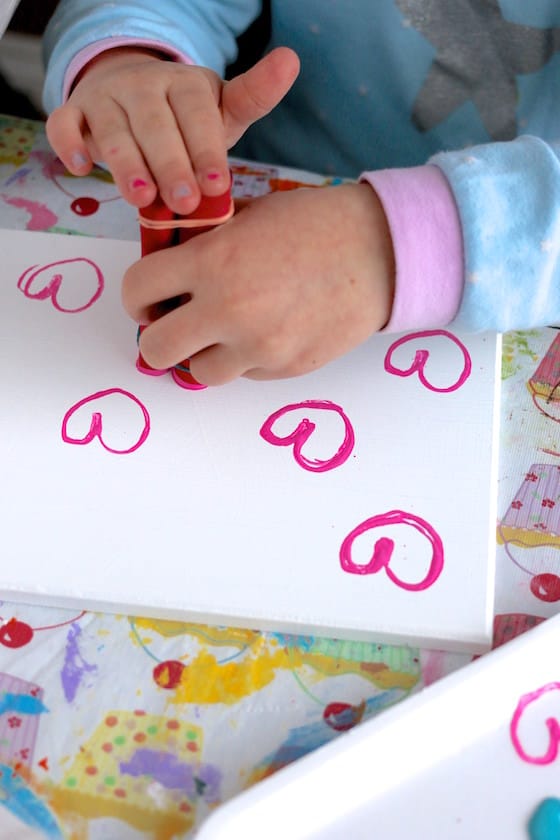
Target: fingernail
(138, 183)
(213, 175)
(181, 190)
(78, 160)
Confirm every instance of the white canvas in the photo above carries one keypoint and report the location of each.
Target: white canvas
(183, 504)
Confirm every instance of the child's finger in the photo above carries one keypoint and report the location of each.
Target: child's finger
(180, 334)
(163, 146)
(65, 128)
(161, 276)
(202, 130)
(253, 94)
(217, 365)
(111, 134)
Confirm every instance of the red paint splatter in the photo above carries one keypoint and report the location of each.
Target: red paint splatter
(546, 587)
(85, 206)
(15, 634)
(44, 763)
(60, 623)
(343, 716)
(168, 674)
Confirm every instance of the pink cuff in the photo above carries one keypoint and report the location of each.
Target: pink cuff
(85, 56)
(427, 243)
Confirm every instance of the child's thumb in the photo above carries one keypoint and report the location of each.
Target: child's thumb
(250, 96)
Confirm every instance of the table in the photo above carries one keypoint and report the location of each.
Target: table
(75, 689)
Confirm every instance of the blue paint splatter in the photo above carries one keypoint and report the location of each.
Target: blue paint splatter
(545, 821)
(288, 640)
(75, 667)
(304, 739)
(24, 704)
(299, 741)
(22, 802)
(381, 701)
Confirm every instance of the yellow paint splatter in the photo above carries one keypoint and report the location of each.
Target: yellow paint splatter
(226, 636)
(206, 680)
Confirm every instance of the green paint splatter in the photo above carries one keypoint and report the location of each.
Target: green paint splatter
(516, 351)
(396, 657)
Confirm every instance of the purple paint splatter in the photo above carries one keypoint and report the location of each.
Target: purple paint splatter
(75, 667)
(166, 769)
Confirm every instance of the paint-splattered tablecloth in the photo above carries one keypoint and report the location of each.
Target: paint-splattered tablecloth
(122, 727)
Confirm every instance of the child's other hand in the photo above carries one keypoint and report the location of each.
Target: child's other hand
(294, 280)
(163, 127)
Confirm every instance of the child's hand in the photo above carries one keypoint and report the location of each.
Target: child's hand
(163, 127)
(294, 280)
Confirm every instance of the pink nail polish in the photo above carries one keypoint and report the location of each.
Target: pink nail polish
(212, 175)
(138, 183)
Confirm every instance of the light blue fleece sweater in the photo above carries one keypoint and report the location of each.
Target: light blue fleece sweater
(395, 83)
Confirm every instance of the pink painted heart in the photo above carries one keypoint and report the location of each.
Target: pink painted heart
(133, 425)
(537, 705)
(421, 357)
(71, 285)
(384, 547)
(299, 437)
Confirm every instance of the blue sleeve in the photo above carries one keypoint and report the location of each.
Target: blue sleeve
(203, 29)
(508, 198)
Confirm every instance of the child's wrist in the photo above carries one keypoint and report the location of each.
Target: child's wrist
(108, 47)
(118, 55)
(382, 258)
